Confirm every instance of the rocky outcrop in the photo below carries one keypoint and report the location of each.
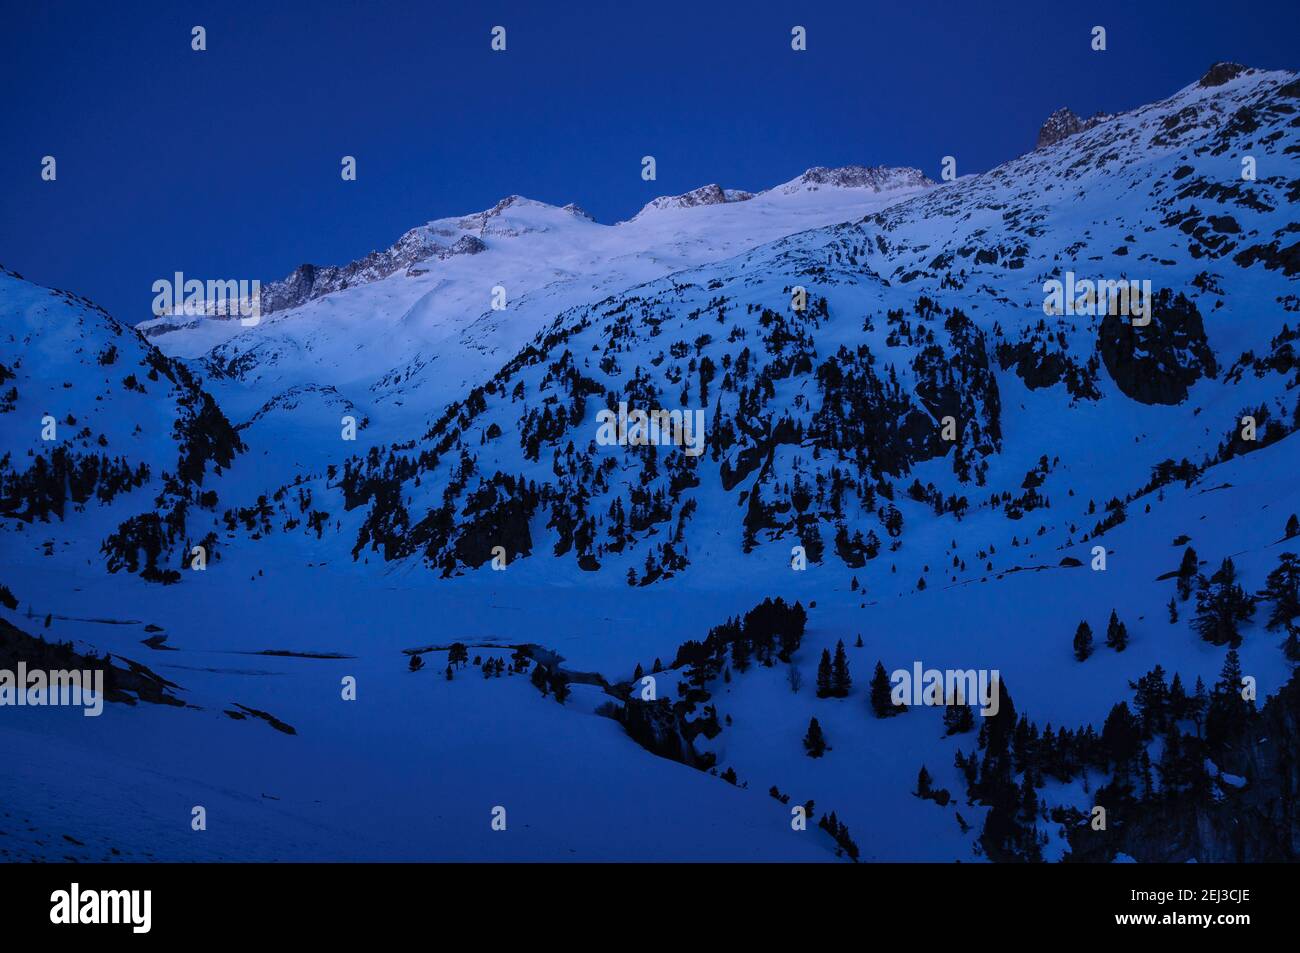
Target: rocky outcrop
(659, 727)
(1156, 364)
(712, 194)
(308, 282)
(1064, 123)
(1221, 73)
(122, 685)
(879, 178)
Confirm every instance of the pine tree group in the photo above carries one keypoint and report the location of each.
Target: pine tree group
(1221, 606)
(1282, 587)
(1116, 633)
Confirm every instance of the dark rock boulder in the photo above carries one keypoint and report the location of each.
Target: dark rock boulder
(1156, 364)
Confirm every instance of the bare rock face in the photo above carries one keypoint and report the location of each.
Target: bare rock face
(1221, 73)
(1060, 125)
(705, 195)
(1064, 123)
(575, 209)
(309, 282)
(878, 178)
(1157, 364)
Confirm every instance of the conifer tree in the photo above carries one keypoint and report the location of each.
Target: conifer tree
(1221, 605)
(1291, 647)
(923, 783)
(881, 701)
(1116, 633)
(1151, 699)
(824, 680)
(1178, 700)
(1282, 587)
(1187, 573)
(814, 742)
(1197, 704)
(957, 717)
(1121, 735)
(841, 682)
(1227, 712)
(740, 654)
(1083, 641)
(539, 678)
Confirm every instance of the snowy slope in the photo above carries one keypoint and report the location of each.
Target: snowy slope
(104, 435)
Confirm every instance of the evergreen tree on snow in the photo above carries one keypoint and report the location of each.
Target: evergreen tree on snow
(923, 783)
(1187, 573)
(840, 680)
(958, 718)
(881, 702)
(1221, 606)
(1282, 587)
(814, 742)
(1116, 633)
(824, 680)
(1227, 712)
(1083, 641)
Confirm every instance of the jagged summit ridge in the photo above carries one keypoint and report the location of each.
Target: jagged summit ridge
(712, 194)
(1065, 122)
(437, 240)
(878, 178)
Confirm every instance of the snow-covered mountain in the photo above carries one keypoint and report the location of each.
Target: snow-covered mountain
(403, 331)
(816, 416)
(98, 420)
(927, 454)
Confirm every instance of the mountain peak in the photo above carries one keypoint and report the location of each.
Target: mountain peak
(574, 209)
(712, 194)
(878, 178)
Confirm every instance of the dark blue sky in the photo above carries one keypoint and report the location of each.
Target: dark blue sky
(225, 164)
